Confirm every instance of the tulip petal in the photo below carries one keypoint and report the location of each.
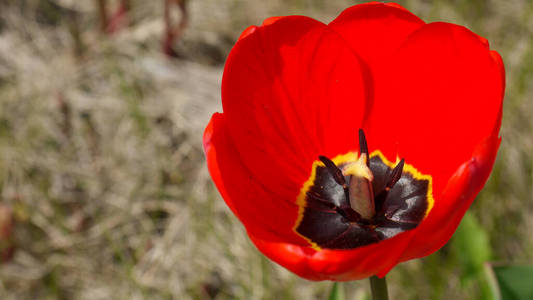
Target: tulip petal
(462, 188)
(292, 90)
(338, 265)
(257, 210)
(433, 84)
(375, 30)
(441, 96)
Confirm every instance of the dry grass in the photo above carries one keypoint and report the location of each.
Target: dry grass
(101, 159)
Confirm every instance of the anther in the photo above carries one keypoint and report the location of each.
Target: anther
(335, 172)
(396, 174)
(363, 146)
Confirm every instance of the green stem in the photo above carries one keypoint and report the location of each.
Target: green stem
(379, 288)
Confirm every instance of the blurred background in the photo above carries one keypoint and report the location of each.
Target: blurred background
(104, 192)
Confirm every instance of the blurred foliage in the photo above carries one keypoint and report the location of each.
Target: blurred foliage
(515, 282)
(102, 168)
(472, 248)
(337, 292)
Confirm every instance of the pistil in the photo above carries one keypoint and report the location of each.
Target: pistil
(358, 188)
(361, 195)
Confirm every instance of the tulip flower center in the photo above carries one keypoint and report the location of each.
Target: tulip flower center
(356, 200)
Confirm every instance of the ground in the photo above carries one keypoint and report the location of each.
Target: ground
(103, 172)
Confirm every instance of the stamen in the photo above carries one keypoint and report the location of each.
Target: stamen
(335, 172)
(396, 174)
(363, 146)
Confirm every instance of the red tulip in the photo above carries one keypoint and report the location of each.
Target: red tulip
(286, 156)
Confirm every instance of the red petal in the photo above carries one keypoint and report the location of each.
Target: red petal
(442, 74)
(338, 265)
(456, 198)
(291, 91)
(375, 30)
(260, 213)
(441, 96)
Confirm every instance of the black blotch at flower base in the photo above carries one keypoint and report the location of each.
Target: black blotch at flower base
(400, 208)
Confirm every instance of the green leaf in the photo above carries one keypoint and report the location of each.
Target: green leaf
(515, 282)
(472, 247)
(337, 292)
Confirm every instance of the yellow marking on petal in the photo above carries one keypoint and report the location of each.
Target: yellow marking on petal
(300, 201)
